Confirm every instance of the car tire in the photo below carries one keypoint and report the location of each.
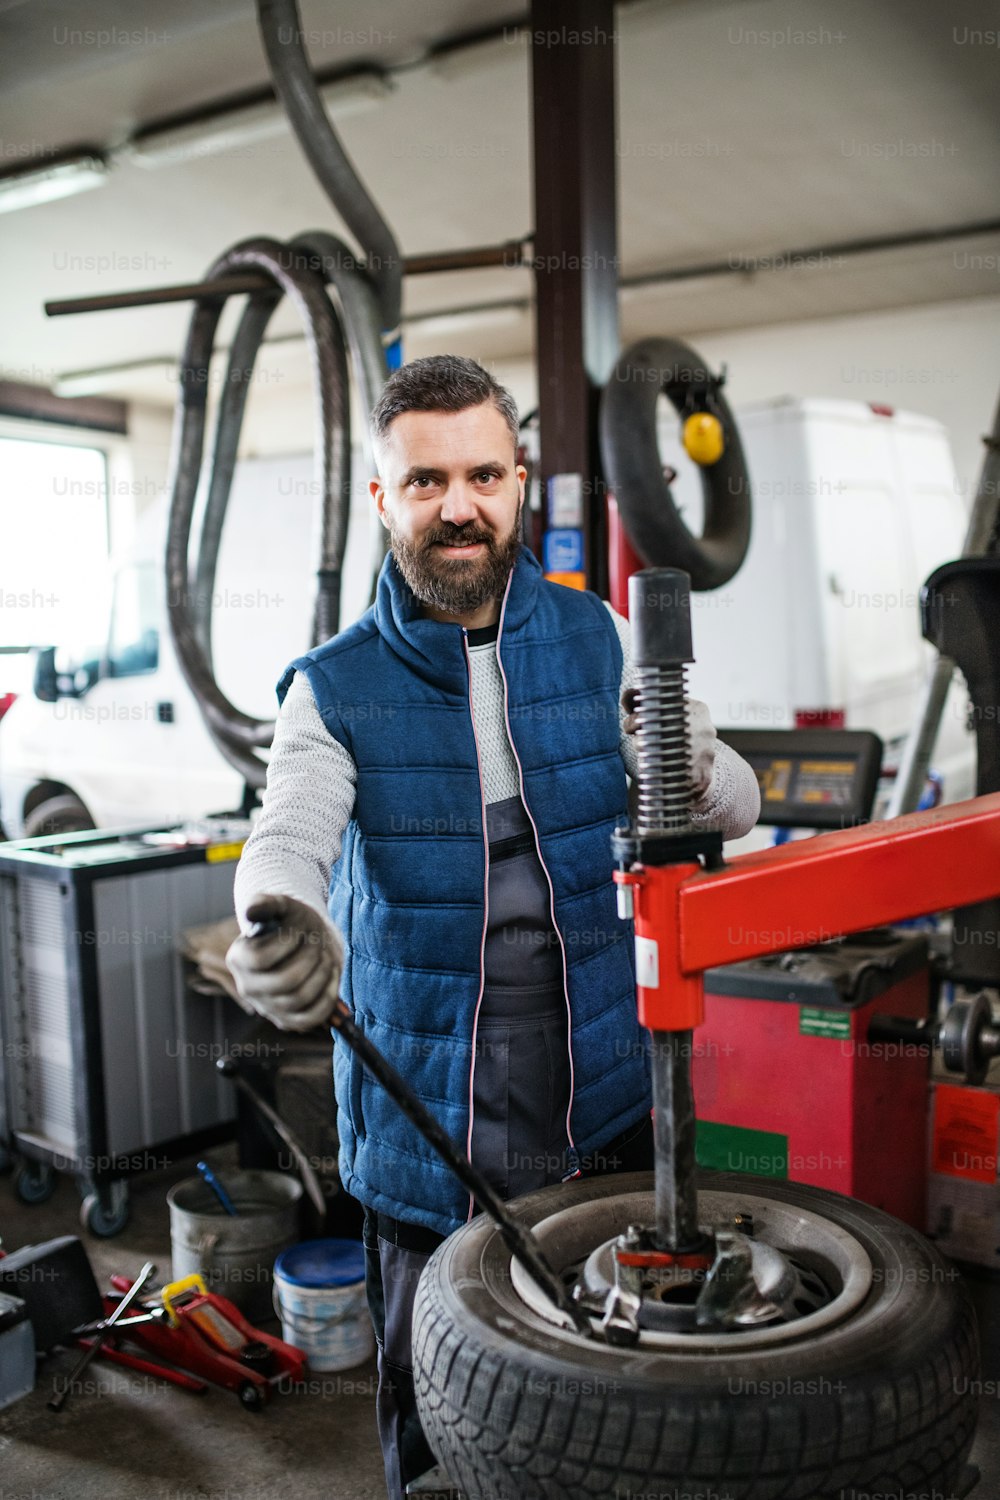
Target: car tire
(880, 1402)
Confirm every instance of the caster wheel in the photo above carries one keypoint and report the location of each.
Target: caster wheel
(35, 1182)
(105, 1212)
(251, 1397)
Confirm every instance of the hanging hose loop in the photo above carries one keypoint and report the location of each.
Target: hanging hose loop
(188, 600)
(294, 84)
(634, 469)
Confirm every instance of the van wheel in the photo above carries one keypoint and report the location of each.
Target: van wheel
(65, 814)
(875, 1394)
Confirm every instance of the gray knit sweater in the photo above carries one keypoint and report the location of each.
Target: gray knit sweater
(311, 781)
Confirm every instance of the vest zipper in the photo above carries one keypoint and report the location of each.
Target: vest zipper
(486, 910)
(552, 893)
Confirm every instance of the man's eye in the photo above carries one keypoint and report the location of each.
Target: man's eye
(421, 480)
(487, 476)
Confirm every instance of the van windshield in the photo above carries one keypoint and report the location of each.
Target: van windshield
(134, 639)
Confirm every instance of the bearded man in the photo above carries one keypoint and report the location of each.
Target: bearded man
(434, 845)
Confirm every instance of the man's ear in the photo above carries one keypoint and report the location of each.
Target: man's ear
(377, 492)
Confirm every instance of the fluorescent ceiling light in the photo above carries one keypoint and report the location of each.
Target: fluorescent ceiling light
(181, 143)
(249, 123)
(45, 184)
(161, 369)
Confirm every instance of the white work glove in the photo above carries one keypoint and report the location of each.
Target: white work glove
(702, 737)
(290, 976)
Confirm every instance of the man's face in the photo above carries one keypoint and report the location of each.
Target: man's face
(450, 493)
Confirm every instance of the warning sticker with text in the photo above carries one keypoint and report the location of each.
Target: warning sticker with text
(966, 1121)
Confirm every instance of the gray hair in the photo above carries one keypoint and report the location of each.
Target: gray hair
(441, 382)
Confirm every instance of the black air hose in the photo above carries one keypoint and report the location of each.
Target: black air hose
(242, 356)
(634, 469)
(363, 319)
(359, 309)
(189, 594)
(329, 256)
(281, 33)
(332, 259)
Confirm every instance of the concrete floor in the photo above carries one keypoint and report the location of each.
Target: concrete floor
(125, 1436)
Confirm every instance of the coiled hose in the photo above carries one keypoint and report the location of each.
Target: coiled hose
(189, 592)
(357, 326)
(281, 33)
(635, 472)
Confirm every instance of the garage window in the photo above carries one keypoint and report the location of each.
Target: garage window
(55, 543)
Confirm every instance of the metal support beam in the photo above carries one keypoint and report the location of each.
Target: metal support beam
(510, 254)
(576, 250)
(36, 403)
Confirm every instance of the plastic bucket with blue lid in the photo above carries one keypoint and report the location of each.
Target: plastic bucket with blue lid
(319, 1295)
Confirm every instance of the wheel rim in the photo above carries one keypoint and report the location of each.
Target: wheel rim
(583, 1235)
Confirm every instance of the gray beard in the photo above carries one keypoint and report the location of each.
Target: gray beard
(453, 584)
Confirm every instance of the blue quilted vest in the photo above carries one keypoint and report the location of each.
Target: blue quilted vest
(408, 892)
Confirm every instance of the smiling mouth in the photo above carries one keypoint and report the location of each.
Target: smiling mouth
(462, 549)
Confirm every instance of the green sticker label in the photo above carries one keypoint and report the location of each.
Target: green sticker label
(733, 1148)
(816, 1022)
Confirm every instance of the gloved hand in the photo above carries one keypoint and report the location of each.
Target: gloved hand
(702, 735)
(290, 976)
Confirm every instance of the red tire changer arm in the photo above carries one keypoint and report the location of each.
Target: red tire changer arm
(692, 912)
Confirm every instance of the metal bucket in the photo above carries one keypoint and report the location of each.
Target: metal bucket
(235, 1255)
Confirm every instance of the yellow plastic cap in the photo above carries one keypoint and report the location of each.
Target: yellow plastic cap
(704, 440)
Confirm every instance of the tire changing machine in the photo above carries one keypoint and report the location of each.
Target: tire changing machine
(693, 912)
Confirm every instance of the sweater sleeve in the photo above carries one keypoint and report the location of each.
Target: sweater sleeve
(311, 784)
(731, 802)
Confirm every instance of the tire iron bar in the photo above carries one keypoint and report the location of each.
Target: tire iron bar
(518, 1239)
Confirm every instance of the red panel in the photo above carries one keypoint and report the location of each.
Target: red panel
(623, 559)
(741, 1050)
(854, 1112)
(814, 889)
(891, 1098)
(965, 1133)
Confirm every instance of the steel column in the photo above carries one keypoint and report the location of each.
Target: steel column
(575, 249)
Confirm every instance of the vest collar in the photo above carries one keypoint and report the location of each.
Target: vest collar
(432, 648)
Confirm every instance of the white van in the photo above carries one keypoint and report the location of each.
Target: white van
(121, 741)
(111, 736)
(853, 507)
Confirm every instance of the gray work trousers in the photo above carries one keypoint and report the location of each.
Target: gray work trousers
(395, 1255)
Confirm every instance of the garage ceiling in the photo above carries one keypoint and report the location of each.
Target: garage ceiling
(745, 130)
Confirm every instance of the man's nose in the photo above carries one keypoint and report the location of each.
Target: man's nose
(458, 505)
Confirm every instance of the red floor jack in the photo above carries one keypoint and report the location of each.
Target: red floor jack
(201, 1337)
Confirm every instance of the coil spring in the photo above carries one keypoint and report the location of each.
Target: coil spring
(663, 749)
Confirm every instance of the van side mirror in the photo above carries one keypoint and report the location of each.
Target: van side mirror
(45, 684)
